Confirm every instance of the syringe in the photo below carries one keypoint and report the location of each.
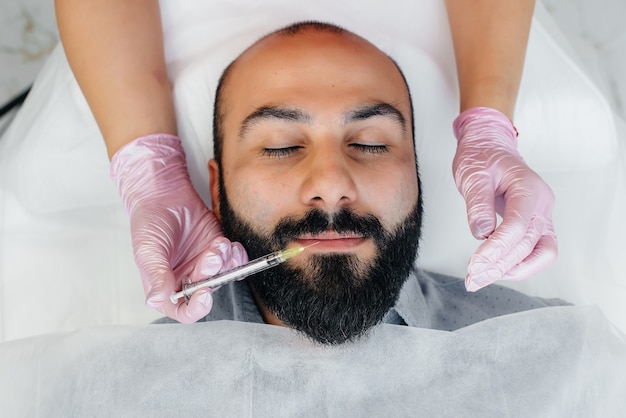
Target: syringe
(252, 267)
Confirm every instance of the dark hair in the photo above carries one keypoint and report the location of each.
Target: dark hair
(312, 25)
(290, 30)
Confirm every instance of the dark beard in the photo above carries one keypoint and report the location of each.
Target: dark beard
(337, 297)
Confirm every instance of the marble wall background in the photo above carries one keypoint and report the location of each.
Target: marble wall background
(596, 30)
(27, 35)
(594, 27)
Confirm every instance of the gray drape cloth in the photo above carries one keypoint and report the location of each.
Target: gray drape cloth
(550, 362)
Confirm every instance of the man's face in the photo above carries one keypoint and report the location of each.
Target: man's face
(317, 147)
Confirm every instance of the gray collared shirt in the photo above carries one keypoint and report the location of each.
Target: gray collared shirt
(427, 300)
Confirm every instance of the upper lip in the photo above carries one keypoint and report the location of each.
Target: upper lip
(328, 235)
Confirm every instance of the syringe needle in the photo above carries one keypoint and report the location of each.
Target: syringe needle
(310, 245)
(292, 252)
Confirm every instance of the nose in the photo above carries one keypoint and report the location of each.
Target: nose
(329, 180)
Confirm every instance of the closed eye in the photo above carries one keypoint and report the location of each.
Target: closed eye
(280, 152)
(372, 149)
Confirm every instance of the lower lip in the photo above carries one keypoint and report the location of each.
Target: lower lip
(326, 245)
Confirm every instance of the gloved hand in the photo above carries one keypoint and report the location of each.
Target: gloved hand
(493, 178)
(173, 233)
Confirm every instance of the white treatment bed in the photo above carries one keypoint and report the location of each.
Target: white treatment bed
(65, 255)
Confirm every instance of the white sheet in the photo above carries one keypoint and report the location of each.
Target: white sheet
(65, 255)
(551, 362)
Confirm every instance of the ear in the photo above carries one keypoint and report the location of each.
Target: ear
(214, 184)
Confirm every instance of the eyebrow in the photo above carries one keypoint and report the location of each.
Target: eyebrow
(376, 109)
(296, 115)
(273, 112)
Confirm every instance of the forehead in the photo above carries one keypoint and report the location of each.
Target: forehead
(313, 68)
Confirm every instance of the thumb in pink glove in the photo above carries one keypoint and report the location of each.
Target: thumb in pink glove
(493, 178)
(173, 233)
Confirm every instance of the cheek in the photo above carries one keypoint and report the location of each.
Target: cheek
(391, 194)
(258, 198)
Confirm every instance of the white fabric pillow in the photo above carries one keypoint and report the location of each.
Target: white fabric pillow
(64, 232)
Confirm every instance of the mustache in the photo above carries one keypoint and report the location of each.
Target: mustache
(316, 221)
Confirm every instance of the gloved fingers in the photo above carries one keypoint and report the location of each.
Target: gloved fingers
(481, 212)
(518, 212)
(488, 265)
(160, 281)
(208, 265)
(158, 298)
(186, 232)
(158, 287)
(520, 206)
(239, 255)
(223, 255)
(232, 253)
(478, 191)
(543, 255)
(198, 306)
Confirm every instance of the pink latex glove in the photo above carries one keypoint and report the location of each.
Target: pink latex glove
(173, 233)
(493, 178)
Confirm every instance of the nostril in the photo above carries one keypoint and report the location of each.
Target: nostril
(328, 182)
